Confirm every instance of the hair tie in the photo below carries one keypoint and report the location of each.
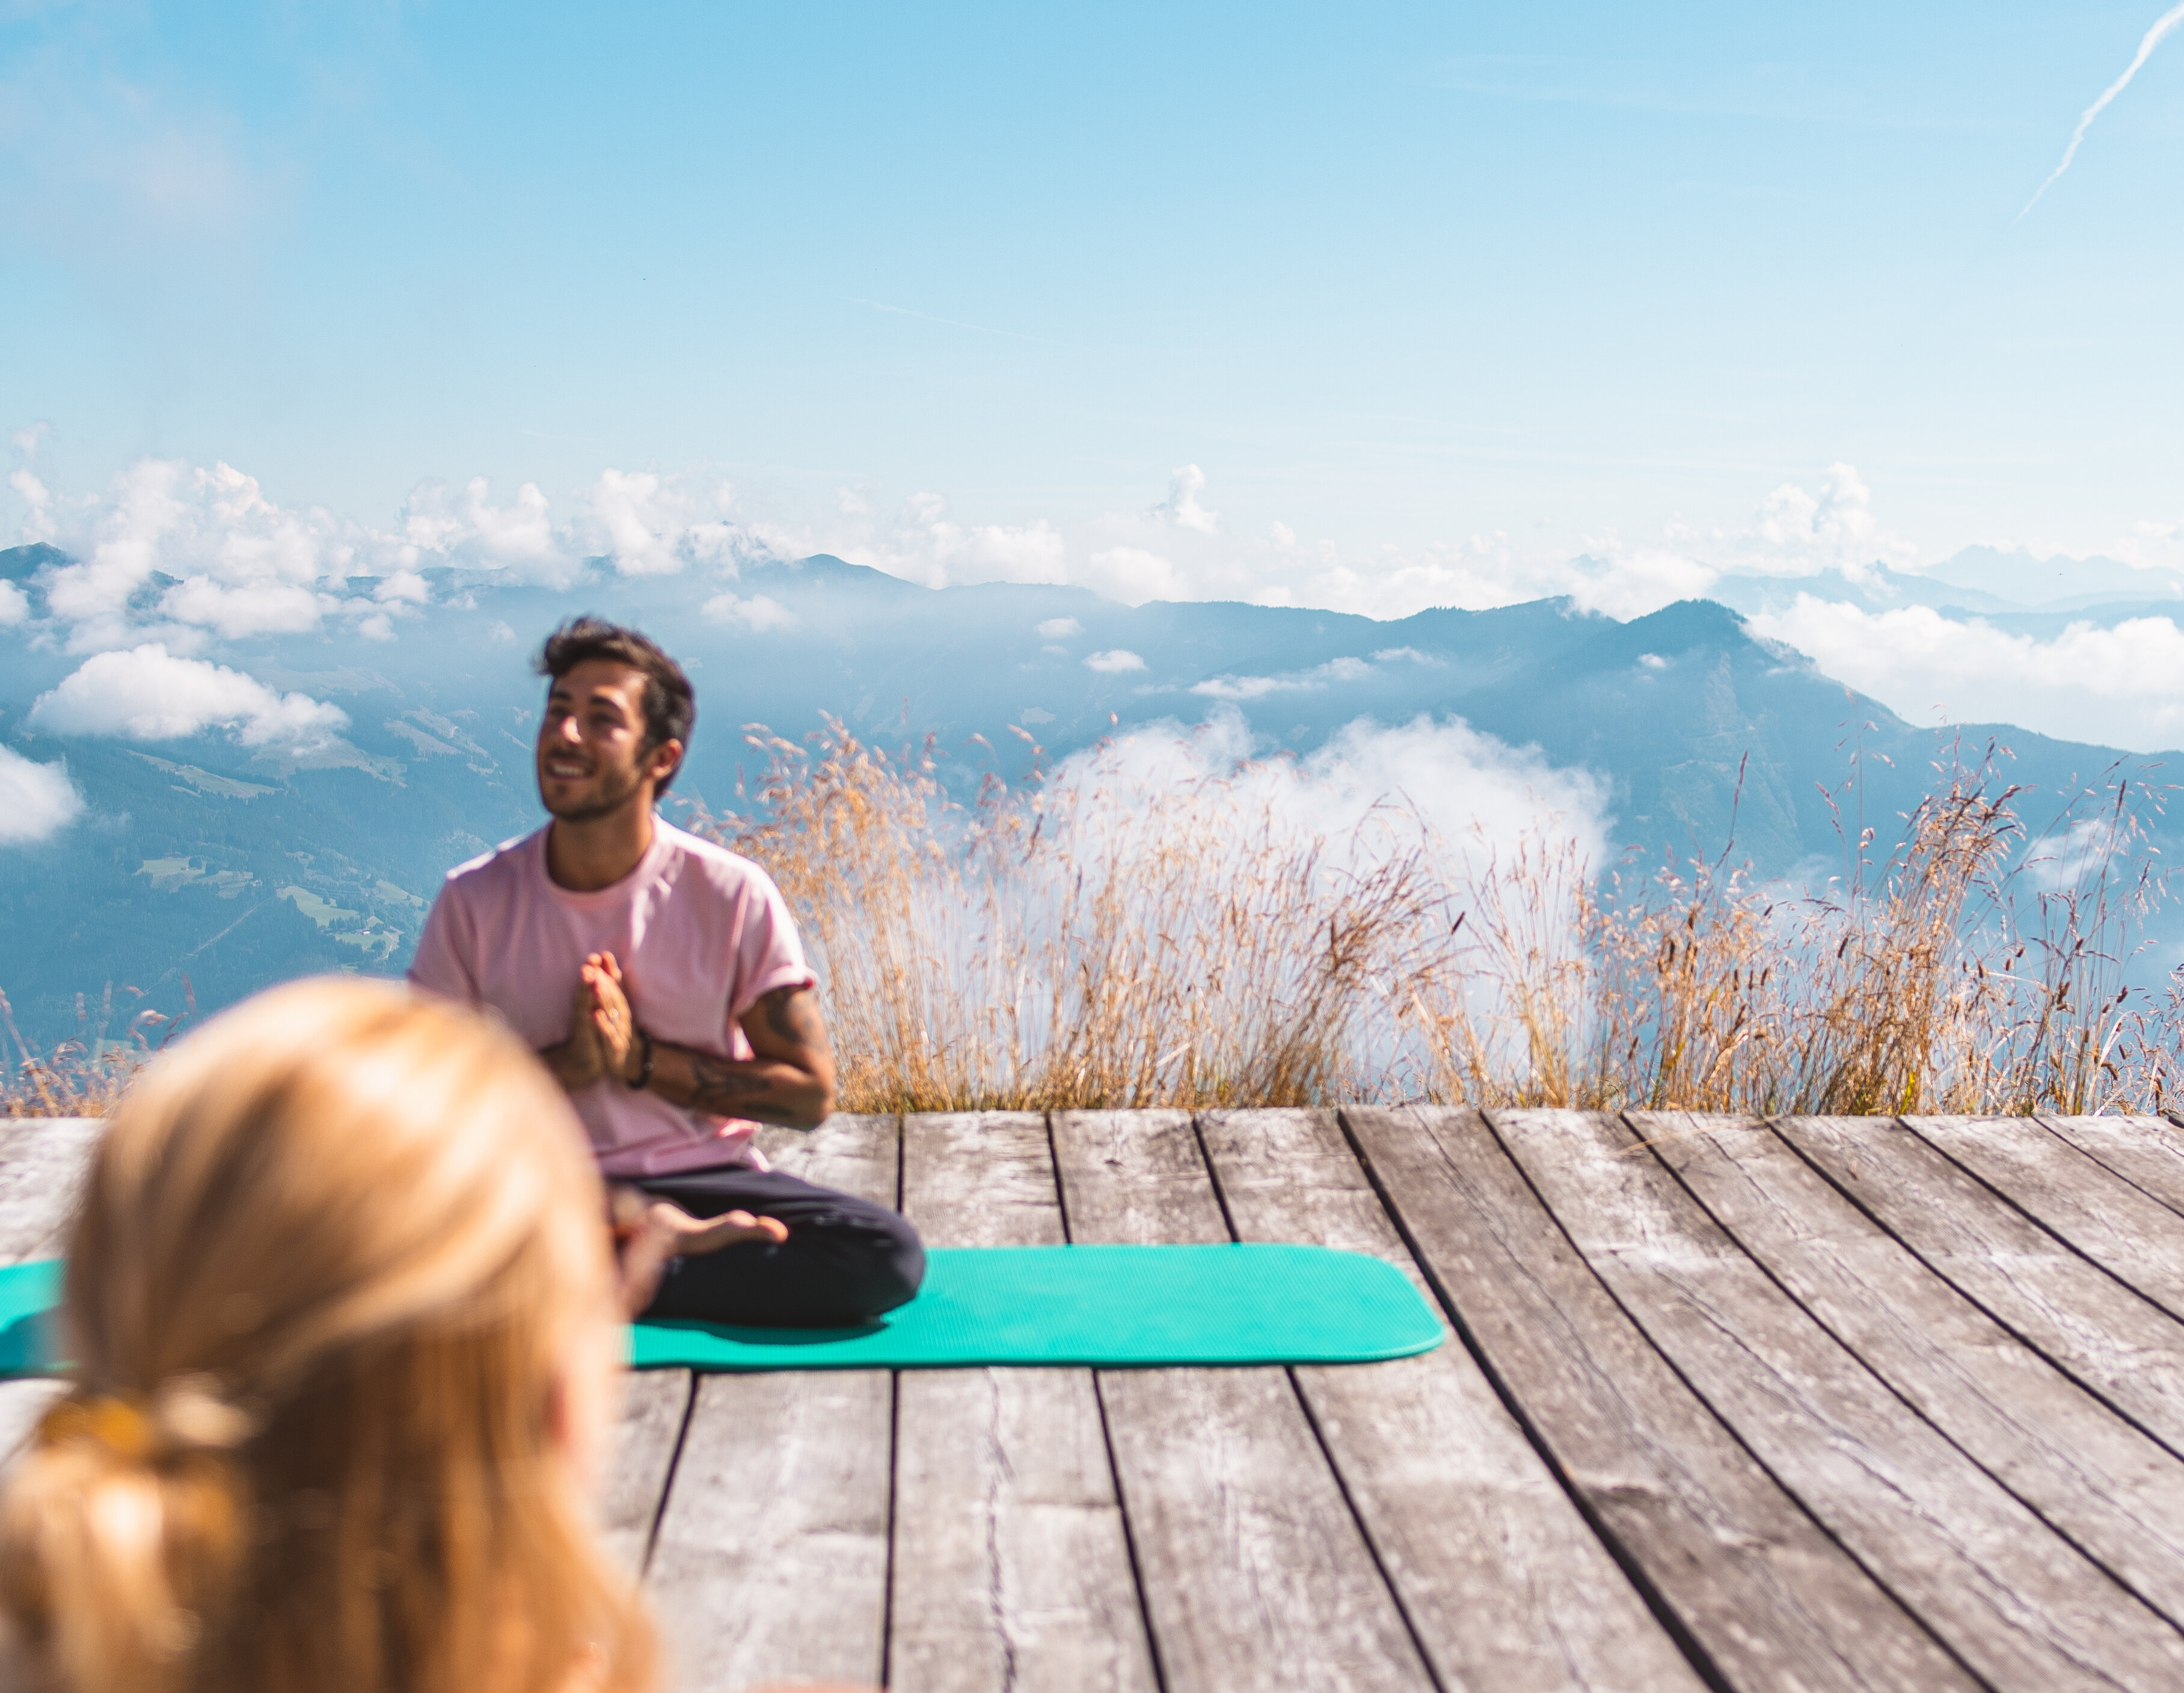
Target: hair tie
(187, 1414)
(116, 1423)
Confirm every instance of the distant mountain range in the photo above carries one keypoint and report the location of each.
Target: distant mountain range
(2004, 588)
(239, 866)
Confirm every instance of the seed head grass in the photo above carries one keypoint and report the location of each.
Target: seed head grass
(1089, 939)
(1090, 943)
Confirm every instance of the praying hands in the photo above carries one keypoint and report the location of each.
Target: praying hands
(602, 1029)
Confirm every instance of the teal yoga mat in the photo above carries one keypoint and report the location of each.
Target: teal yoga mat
(1116, 1306)
(27, 1293)
(1113, 1306)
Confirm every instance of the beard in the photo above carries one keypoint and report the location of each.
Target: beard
(616, 785)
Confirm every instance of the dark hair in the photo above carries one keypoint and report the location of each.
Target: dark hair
(669, 706)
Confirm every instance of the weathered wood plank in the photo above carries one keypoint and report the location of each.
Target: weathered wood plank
(2134, 1237)
(2018, 1604)
(1135, 1178)
(2146, 1152)
(981, 1178)
(1010, 1566)
(1255, 1572)
(2106, 1485)
(1507, 1586)
(654, 1403)
(42, 1167)
(2118, 1346)
(1766, 1597)
(770, 1562)
(857, 1154)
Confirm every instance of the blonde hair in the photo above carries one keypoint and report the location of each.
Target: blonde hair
(333, 1254)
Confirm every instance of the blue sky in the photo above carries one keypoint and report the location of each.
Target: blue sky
(1403, 281)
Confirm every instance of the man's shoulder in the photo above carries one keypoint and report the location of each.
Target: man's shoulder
(728, 872)
(509, 860)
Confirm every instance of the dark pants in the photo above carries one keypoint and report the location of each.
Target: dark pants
(846, 1260)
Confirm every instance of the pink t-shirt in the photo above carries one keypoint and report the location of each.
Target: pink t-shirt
(700, 934)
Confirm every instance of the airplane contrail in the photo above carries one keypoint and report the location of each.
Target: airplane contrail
(2168, 21)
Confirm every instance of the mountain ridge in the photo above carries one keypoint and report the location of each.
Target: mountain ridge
(1695, 724)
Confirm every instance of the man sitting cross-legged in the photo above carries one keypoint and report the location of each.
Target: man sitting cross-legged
(661, 980)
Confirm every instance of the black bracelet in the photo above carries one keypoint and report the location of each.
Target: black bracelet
(644, 1070)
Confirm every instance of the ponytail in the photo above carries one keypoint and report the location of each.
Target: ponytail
(121, 1535)
(334, 1253)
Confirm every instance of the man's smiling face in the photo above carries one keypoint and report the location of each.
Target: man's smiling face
(591, 755)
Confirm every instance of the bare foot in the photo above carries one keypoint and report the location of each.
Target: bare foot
(650, 1232)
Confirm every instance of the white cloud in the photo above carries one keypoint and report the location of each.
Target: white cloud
(1113, 661)
(38, 502)
(465, 527)
(1181, 507)
(2152, 546)
(403, 588)
(247, 562)
(1795, 531)
(2122, 687)
(925, 544)
(1134, 576)
(1057, 628)
(261, 608)
(1477, 796)
(245, 565)
(1124, 555)
(150, 694)
(15, 604)
(36, 800)
(1312, 681)
(653, 526)
(1630, 584)
(758, 614)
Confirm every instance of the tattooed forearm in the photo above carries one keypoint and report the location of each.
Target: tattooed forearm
(792, 1014)
(788, 1079)
(722, 1085)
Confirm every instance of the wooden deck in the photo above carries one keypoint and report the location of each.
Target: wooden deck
(1812, 1404)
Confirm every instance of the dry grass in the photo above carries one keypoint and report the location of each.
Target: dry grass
(86, 1076)
(1077, 946)
(1978, 973)
(1103, 940)
(1100, 944)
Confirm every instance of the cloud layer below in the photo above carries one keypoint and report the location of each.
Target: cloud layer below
(2121, 687)
(1474, 796)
